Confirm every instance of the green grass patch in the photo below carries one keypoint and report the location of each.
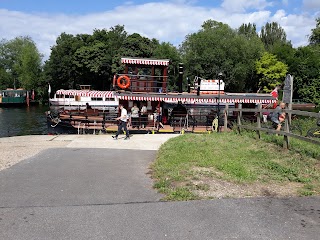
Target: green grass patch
(239, 159)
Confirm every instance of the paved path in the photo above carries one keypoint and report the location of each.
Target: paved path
(91, 189)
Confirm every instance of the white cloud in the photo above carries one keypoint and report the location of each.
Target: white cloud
(170, 22)
(297, 27)
(244, 5)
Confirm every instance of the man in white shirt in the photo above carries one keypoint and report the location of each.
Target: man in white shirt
(123, 123)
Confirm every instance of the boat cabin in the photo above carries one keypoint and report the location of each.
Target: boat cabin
(13, 96)
(143, 75)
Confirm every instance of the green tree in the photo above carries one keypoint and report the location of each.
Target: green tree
(271, 70)
(20, 63)
(271, 34)
(166, 50)
(60, 69)
(305, 70)
(218, 48)
(249, 30)
(315, 33)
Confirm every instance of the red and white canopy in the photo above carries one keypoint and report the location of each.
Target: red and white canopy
(197, 99)
(145, 61)
(86, 93)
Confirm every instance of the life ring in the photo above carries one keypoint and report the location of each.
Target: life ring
(123, 84)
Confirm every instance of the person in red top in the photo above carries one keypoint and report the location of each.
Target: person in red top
(275, 94)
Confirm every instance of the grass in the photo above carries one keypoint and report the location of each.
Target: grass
(187, 164)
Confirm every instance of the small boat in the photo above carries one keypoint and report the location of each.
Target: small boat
(13, 97)
(79, 99)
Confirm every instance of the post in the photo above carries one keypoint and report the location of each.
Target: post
(226, 117)
(239, 117)
(259, 119)
(287, 130)
(180, 77)
(219, 82)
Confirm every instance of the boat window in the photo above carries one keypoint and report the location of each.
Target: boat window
(96, 99)
(60, 96)
(110, 99)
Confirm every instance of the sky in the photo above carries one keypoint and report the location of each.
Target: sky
(168, 21)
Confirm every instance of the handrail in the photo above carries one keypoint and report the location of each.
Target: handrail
(286, 134)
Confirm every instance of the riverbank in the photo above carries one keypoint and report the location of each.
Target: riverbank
(16, 149)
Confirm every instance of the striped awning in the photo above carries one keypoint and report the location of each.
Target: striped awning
(86, 93)
(145, 61)
(196, 99)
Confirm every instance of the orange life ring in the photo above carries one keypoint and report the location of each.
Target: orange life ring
(124, 84)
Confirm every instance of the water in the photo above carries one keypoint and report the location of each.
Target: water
(23, 121)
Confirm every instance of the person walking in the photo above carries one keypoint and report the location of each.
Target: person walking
(123, 123)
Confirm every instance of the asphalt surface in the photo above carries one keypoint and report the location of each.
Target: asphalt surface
(78, 192)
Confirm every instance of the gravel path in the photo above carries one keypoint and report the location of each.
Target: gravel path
(16, 149)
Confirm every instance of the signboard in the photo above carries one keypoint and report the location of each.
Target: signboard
(288, 89)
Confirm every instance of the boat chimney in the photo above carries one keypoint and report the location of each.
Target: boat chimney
(180, 77)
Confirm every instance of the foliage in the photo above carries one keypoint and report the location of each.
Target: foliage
(249, 30)
(315, 33)
(218, 48)
(166, 50)
(271, 70)
(305, 69)
(271, 34)
(20, 63)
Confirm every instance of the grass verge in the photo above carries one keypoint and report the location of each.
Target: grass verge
(202, 166)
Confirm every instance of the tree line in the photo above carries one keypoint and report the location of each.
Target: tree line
(250, 61)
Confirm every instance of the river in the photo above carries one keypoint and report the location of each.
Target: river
(23, 121)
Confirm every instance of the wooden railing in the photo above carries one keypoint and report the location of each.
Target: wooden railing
(259, 111)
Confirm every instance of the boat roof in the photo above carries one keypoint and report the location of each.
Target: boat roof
(145, 61)
(175, 97)
(191, 97)
(86, 93)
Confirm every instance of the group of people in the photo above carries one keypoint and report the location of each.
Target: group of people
(135, 118)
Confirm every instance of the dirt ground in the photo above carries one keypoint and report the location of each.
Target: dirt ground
(215, 187)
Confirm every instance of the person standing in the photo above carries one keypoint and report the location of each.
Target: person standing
(144, 115)
(123, 123)
(135, 116)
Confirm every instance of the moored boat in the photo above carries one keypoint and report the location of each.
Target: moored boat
(78, 99)
(13, 97)
(144, 84)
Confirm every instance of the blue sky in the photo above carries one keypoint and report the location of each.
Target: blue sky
(168, 21)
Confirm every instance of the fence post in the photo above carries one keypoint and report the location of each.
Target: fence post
(259, 119)
(239, 117)
(287, 130)
(226, 109)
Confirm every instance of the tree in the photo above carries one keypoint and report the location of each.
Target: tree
(272, 71)
(60, 69)
(315, 33)
(20, 63)
(305, 70)
(249, 30)
(272, 33)
(166, 50)
(218, 48)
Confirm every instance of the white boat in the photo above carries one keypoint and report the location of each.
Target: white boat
(78, 99)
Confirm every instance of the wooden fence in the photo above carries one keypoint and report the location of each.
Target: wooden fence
(258, 112)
